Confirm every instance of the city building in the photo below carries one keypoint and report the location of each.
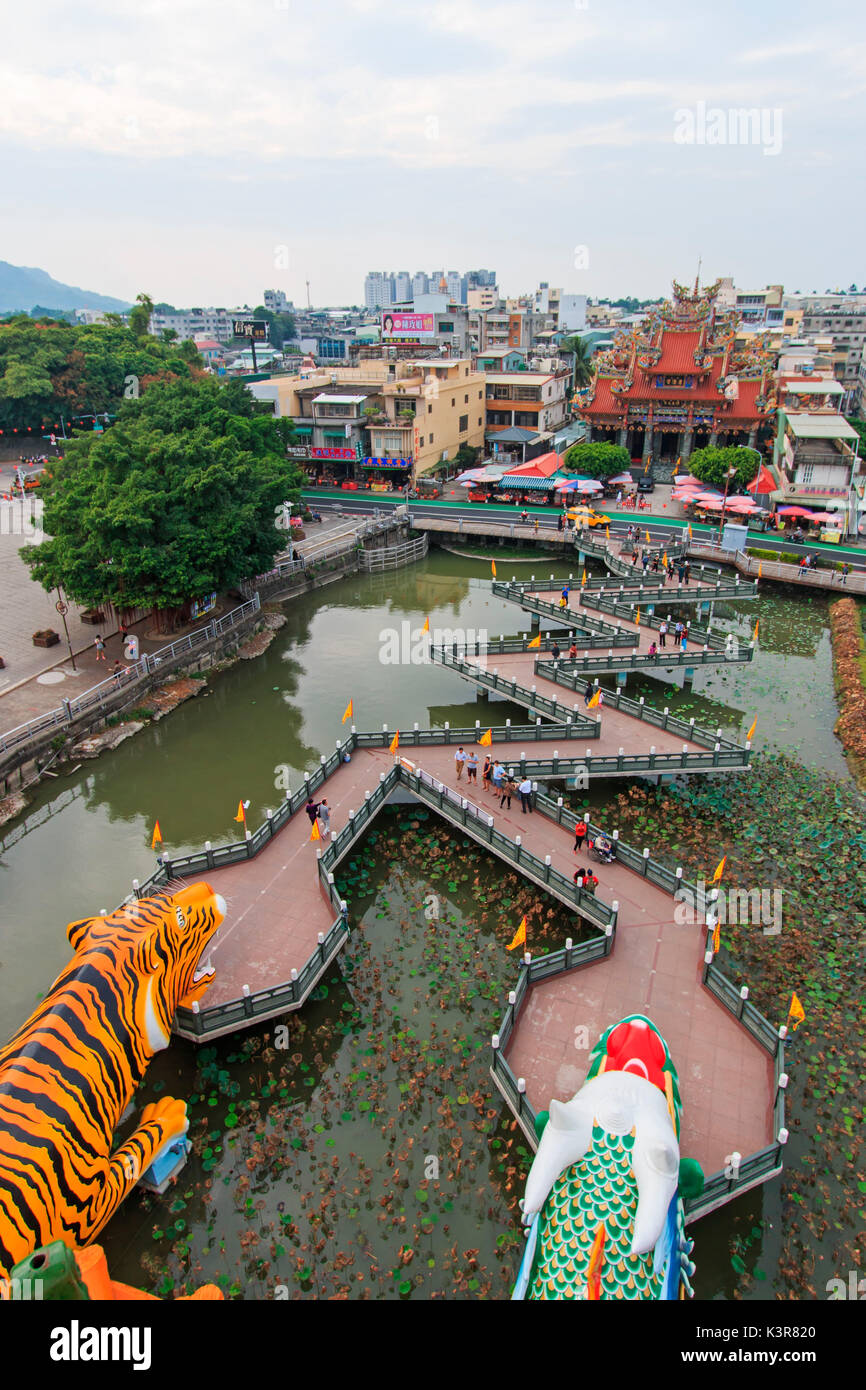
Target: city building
(755, 308)
(499, 359)
(211, 350)
(200, 323)
(837, 322)
(378, 289)
(484, 297)
(420, 283)
(276, 303)
(675, 382)
(382, 419)
(816, 457)
(535, 401)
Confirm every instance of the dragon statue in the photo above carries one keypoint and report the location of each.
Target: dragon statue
(603, 1208)
(69, 1074)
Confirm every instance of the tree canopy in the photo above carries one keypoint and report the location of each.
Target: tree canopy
(597, 460)
(711, 466)
(177, 499)
(582, 359)
(49, 368)
(281, 327)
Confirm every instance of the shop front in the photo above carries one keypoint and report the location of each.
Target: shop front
(386, 474)
(333, 467)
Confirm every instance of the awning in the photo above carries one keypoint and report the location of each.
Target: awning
(514, 480)
(303, 429)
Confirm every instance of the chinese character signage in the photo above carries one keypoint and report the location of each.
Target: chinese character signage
(333, 453)
(415, 326)
(255, 329)
(387, 463)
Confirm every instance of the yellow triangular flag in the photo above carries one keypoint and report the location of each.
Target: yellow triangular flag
(349, 712)
(395, 743)
(596, 699)
(519, 936)
(426, 627)
(157, 836)
(486, 739)
(716, 940)
(583, 578)
(493, 568)
(690, 530)
(796, 1012)
(314, 833)
(755, 633)
(760, 569)
(536, 642)
(648, 538)
(607, 533)
(665, 559)
(242, 813)
(751, 734)
(637, 617)
(720, 869)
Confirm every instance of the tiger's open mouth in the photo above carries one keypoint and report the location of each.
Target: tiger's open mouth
(204, 973)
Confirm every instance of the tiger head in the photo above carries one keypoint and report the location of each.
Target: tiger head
(153, 949)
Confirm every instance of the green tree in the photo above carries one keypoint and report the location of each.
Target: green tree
(466, 456)
(711, 467)
(176, 500)
(281, 327)
(596, 460)
(860, 427)
(583, 369)
(140, 314)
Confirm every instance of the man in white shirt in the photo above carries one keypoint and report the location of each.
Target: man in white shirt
(460, 761)
(525, 789)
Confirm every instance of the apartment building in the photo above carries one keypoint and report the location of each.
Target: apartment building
(837, 323)
(200, 323)
(529, 400)
(383, 418)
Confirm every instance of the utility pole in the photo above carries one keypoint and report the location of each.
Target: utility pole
(309, 304)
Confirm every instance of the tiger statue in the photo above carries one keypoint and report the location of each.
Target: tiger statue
(69, 1073)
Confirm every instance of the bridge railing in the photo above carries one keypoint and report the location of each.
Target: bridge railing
(105, 694)
(633, 610)
(567, 670)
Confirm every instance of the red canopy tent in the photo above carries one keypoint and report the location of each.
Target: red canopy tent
(763, 481)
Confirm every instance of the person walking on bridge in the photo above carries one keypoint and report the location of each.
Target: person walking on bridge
(525, 789)
(579, 835)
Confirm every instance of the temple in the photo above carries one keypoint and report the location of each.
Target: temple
(676, 382)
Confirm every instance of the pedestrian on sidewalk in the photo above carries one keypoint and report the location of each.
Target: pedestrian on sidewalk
(580, 874)
(100, 647)
(559, 522)
(572, 652)
(460, 761)
(118, 671)
(590, 883)
(579, 835)
(535, 523)
(485, 774)
(472, 766)
(653, 649)
(684, 642)
(678, 631)
(846, 570)
(123, 633)
(587, 694)
(509, 790)
(525, 789)
(619, 498)
(325, 816)
(634, 556)
(312, 810)
(497, 776)
(554, 651)
(644, 559)
(663, 633)
(687, 570)
(680, 572)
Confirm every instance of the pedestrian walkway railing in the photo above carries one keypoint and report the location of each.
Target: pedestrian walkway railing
(568, 671)
(726, 753)
(395, 556)
(570, 617)
(855, 580)
(105, 694)
(700, 588)
(290, 994)
(632, 610)
(741, 1173)
(321, 552)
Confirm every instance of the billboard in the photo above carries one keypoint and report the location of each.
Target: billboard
(414, 326)
(254, 329)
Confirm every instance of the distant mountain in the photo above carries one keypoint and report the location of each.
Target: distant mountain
(23, 286)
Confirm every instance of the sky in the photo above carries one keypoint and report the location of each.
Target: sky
(203, 151)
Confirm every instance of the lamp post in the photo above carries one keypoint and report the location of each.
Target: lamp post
(728, 476)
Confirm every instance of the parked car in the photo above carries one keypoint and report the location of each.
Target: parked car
(645, 485)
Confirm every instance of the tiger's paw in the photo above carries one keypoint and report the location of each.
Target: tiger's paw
(169, 1114)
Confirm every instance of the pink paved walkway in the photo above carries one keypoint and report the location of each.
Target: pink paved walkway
(276, 910)
(618, 729)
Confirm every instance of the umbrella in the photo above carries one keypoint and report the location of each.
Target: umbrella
(621, 478)
(686, 478)
(577, 485)
(704, 497)
(794, 511)
(743, 504)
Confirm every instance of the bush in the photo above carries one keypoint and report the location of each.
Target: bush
(711, 466)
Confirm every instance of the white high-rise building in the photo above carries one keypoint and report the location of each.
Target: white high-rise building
(378, 289)
(276, 303)
(420, 283)
(402, 287)
(455, 286)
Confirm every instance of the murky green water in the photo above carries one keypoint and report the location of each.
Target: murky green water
(89, 834)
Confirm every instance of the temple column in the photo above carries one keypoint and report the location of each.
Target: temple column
(687, 438)
(753, 434)
(647, 442)
(713, 439)
(622, 437)
(588, 432)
